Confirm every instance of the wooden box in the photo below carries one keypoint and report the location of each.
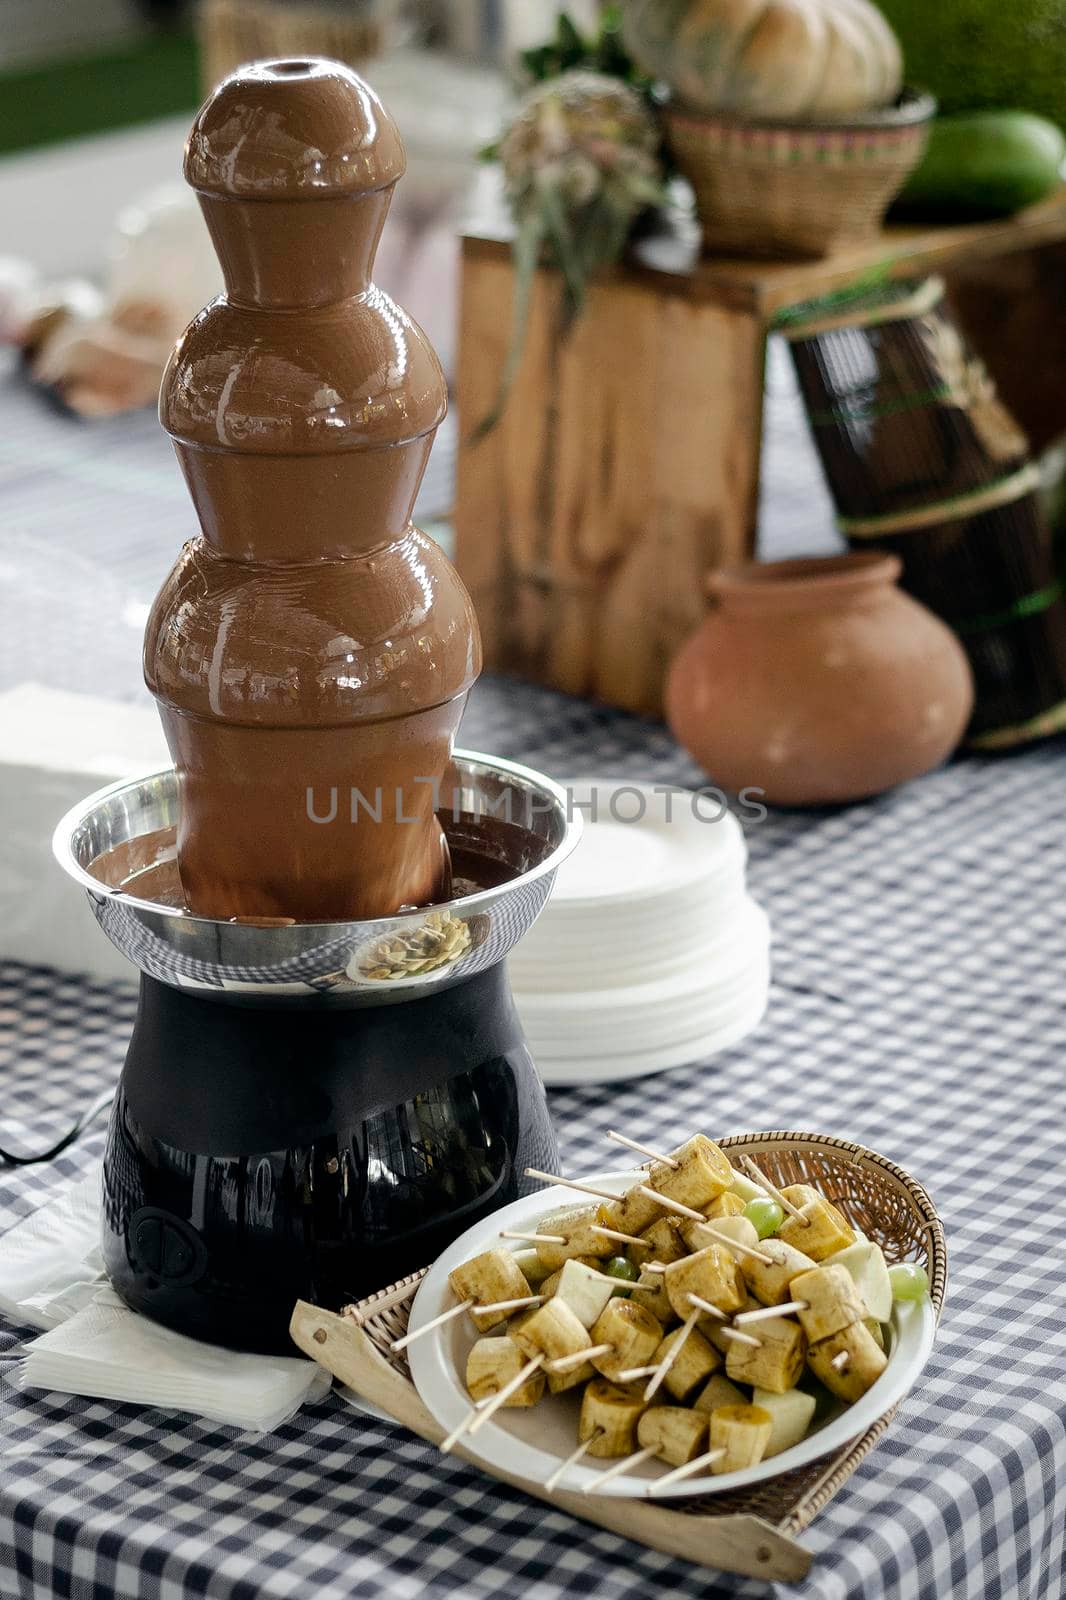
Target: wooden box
(625, 465)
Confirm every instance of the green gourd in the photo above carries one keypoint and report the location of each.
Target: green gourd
(984, 164)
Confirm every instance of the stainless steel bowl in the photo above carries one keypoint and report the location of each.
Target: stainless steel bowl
(386, 960)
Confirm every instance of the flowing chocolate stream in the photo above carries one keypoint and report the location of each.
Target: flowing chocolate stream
(312, 647)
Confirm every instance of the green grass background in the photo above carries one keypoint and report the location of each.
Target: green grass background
(157, 77)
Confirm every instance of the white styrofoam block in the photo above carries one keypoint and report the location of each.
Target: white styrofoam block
(55, 748)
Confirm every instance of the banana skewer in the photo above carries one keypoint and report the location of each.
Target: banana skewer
(659, 1346)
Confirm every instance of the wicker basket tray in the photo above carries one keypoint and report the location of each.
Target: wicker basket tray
(750, 1531)
(796, 189)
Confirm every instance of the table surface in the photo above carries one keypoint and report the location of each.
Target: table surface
(762, 288)
(917, 1006)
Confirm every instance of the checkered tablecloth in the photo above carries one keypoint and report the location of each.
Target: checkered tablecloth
(918, 1006)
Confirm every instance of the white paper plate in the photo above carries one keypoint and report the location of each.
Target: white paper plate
(619, 860)
(605, 957)
(698, 978)
(617, 1066)
(703, 1010)
(531, 1443)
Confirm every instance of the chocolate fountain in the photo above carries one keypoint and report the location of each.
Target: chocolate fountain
(326, 1080)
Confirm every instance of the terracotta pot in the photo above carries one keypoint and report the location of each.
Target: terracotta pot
(818, 680)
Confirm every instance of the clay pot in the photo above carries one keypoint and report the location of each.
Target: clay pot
(818, 680)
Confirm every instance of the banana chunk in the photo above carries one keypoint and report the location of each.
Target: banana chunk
(650, 1292)
(712, 1329)
(775, 1362)
(614, 1412)
(743, 1432)
(865, 1364)
(665, 1240)
(701, 1175)
(769, 1281)
(552, 1331)
(492, 1363)
(712, 1274)
(634, 1211)
(790, 1414)
(694, 1364)
(488, 1278)
(579, 1238)
(833, 1301)
(820, 1229)
(633, 1334)
(726, 1205)
(718, 1392)
(677, 1435)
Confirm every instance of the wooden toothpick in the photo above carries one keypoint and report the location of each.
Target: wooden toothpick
(764, 1313)
(569, 1183)
(623, 1238)
(706, 1307)
(573, 1458)
(504, 1394)
(534, 1238)
(498, 1307)
(734, 1244)
(840, 1361)
(567, 1363)
(435, 1322)
(619, 1467)
(642, 1149)
(670, 1205)
(772, 1190)
(688, 1470)
(671, 1355)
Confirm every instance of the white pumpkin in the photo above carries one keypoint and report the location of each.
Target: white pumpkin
(776, 60)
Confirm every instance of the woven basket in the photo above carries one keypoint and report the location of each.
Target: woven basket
(794, 189)
(751, 1531)
(234, 31)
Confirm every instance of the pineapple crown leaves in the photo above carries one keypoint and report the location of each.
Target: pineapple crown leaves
(580, 163)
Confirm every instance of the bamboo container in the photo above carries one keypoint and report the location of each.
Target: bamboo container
(924, 462)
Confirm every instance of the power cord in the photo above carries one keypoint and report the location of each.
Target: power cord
(102, 1101)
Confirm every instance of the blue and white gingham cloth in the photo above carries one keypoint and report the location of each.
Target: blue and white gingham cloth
(918, 1005)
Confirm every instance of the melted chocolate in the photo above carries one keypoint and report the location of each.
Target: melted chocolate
(147, 868)
(311, 642)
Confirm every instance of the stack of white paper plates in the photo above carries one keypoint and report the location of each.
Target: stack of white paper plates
(650, 952)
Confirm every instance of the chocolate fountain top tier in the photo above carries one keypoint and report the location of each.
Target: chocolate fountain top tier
(303, 357)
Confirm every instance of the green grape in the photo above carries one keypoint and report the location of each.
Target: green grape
(622, 1269)
(909, 1281)
(765, 1215)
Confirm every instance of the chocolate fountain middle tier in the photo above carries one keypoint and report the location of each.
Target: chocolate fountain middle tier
(308, 710)
(312, 652)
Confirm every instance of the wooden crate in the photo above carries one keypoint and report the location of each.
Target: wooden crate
(625, 466)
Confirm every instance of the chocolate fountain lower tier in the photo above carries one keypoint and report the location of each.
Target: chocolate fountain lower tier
(313, 1110)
